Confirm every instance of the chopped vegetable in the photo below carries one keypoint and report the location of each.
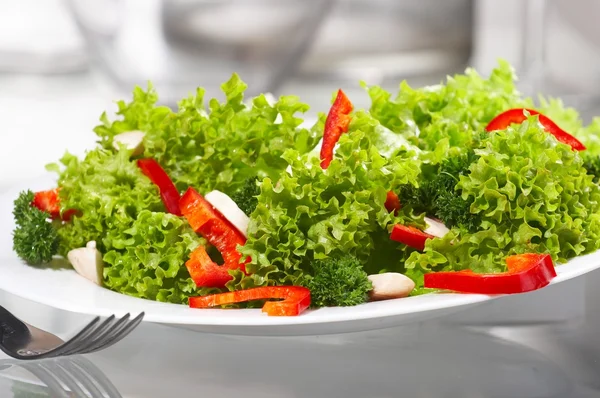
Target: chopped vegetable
(35, 239)
(204, 271)
(338, 282)
(435, 228)
(168, 192)
(229, 209)
(48, 202)
(390, 285)
(88, 263)
(337, 123)
(392, 202)
(296, 299)
(245, 197)
(410, 236)
(517, 115)
(526, 272)
(131, 140)
(219, 232)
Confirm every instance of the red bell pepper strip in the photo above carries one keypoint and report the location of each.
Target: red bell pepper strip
(219, 232)
(49, 201)
(159, 177)
(517, 116)
(295, 299)
(410, 236)
(337, 123)
(205, 272)
(526, 272)
(392, 202)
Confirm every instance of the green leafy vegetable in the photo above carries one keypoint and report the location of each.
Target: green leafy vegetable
(592, 165)
(246, 197)
(438, 197)
(145, 249)
(140, 114)
(532, 194)
(35, 239)
(453, 210)
(148, 259)
(109, 190)
(314, 214)
(443, 119)
(219, 147)
(338, 281)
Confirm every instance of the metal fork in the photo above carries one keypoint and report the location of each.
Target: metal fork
(70, 377)
(23, 341)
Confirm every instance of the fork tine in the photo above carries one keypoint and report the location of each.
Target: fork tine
(78, 338)
(81, 378)
(75, 347)
(58, 350)
(66, 378)
(119, 335)
(100, 378)
(47, 378)
(98, 338)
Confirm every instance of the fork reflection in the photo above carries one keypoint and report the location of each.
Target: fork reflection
(66, 377)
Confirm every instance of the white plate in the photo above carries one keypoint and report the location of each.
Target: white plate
(65, 289)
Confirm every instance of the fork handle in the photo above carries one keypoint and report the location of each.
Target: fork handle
(13, 329)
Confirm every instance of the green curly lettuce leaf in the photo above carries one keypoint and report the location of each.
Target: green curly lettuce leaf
(444, 118)
(144, 249)
(532, 194)
(140, 114)
(108, 190)
(224, 145)
(148, 259)
(314, 214)
(569, 120)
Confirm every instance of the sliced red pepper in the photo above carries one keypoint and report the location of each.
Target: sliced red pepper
(159, 177)
(48, 201)
(516, 115)
(205, 272)
(219, 232)
(410, 236)
(392, 202)
(526, 272)
(337, 123)
(68, 214)
(295, 299)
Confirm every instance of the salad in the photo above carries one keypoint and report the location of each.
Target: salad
(465, 186)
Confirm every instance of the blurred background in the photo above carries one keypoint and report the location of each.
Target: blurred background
(63, 62)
